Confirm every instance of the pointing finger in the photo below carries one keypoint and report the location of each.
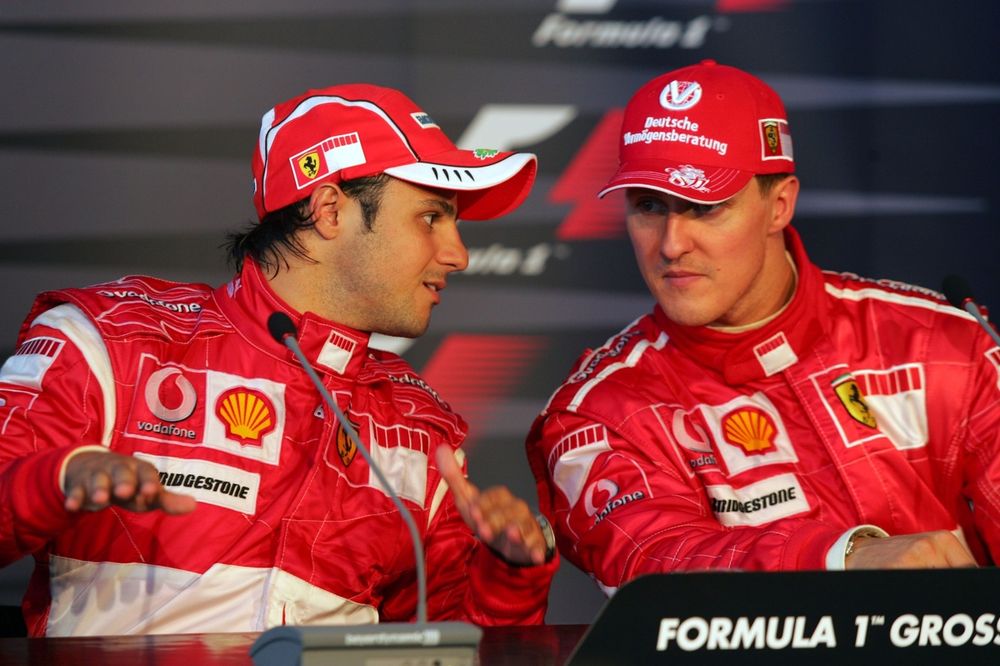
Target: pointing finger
(465, 493)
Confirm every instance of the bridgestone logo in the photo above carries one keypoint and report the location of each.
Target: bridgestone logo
(756, 504)
(204, 482)
(208, 482)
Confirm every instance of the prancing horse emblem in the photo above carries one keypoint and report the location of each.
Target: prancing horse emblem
(853, 401)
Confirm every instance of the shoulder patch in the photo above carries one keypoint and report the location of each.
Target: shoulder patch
(621, 352)
(416, 399)
(157, 307)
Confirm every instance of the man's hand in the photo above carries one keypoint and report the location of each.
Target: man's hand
(501, 520)
(927, 550)
(97, 479)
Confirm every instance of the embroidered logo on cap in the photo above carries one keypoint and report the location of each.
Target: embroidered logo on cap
(689, 177)
(484, 153)
(776, 139)
(680, 95)
(326, 157)
(309, 164)
(423, 119)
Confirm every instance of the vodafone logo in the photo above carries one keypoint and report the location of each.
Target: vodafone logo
(188, 399)
(680, 95)
(608, 488)
(689, 434)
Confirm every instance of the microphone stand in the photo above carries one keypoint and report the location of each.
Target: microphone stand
(959, 294)
(449, 642)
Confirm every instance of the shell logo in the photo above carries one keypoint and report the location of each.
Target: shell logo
(248, 415)
(750, 428)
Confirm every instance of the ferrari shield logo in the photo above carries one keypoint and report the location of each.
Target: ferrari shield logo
(346, 447)
(771, 138)
(309, 164)
(853, 401)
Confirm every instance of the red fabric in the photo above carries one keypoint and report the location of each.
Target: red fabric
(673, 448)
(275, 494)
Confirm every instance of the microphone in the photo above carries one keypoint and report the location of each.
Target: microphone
(959, 294)
(450, 642)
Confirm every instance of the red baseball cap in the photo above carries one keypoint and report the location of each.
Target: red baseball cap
(355, 130)
(701, 133)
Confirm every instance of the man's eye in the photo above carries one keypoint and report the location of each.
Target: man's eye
(650, 206)
(703, 209)
(429, 218)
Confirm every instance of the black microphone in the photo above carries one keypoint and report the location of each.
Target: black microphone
(959, 294)
(450, 642)
(280, 326)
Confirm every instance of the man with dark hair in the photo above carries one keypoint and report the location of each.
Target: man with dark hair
(766, 415)
(172, 468)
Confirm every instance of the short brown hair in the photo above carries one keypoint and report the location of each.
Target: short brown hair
(767, 181)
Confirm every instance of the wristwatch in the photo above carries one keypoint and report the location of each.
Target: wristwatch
(865, 533)
(548, 535)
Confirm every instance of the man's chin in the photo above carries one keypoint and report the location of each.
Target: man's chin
(409, 330)
(687, 317)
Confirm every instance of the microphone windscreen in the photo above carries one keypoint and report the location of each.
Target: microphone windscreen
(280, 326)
(957, 291)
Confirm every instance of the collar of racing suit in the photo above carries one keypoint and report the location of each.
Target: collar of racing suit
(761, 352)
(248, 300)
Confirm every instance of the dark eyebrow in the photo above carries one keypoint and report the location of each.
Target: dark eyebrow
(444, 206)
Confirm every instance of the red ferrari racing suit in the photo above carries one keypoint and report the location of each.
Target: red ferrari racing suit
(291, 526)
(862, 402)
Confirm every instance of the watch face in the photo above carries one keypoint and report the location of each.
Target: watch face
(548, 535)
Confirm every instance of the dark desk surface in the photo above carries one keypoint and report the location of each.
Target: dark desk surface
(501, 646)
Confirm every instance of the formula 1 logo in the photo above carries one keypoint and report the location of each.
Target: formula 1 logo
(592, 24)
(680, 95)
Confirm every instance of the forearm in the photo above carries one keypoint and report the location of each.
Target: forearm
(501, 594)
(31, 503)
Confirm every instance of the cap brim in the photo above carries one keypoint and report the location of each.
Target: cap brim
(487, 187)
(692, 182)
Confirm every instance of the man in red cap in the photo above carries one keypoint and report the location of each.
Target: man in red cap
(171, 466)
(766, 415)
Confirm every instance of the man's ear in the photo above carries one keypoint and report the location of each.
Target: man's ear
(783, 197)
(326, 204)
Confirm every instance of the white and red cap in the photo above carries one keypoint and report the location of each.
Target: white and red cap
(701, 133)
(355, 130)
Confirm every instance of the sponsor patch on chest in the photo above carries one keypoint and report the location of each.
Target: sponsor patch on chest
(866, 405)
(208, 482)
(762, 502)
(747, 433)
(175, 404)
